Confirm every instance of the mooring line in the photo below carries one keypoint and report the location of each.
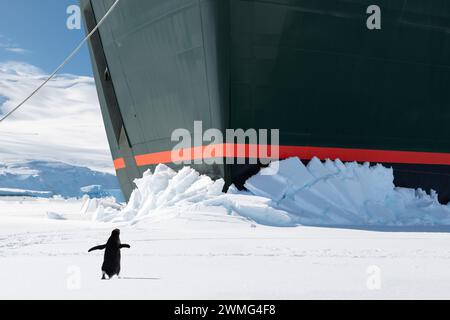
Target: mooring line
(69, 57)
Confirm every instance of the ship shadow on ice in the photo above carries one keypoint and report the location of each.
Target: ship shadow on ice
(427, 229)
(139, 278)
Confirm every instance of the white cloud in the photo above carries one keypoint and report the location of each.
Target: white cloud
(8, 45)
(17, 50)
(62, 122)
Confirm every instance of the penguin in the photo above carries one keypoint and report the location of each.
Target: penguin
(111, 261)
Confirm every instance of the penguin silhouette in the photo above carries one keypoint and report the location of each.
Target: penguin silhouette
(111, 260)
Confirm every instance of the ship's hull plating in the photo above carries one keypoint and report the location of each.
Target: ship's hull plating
(309, 68)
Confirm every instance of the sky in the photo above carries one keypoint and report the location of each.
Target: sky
(63, 121)
(36, 32)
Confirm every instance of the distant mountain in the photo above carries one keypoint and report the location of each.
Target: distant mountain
(46, 178)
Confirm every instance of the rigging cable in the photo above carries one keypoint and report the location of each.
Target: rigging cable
(69, 57)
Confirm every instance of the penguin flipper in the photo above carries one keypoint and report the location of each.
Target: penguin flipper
(103, 246)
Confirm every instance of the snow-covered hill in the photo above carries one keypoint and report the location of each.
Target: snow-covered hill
(61, 123)
(46, 179)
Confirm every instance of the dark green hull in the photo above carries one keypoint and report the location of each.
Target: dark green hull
(310, 68)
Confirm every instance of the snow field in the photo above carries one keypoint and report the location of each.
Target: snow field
(199, 254)
(189, 240)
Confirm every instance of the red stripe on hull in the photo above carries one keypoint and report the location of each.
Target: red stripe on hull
(119, 163)
(306, 153)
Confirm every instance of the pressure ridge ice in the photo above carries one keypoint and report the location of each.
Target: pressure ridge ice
(287, 193)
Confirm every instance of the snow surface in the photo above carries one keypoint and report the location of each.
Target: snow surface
(61, 123)
(288, 193)
(189, 240)
(192, 253)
